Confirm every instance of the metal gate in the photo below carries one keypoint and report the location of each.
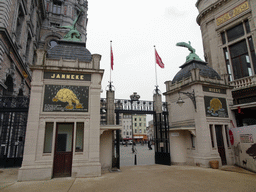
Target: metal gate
(13, 121)
(162, 143)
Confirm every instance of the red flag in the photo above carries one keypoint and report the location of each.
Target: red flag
(159, 60)
(112, 59)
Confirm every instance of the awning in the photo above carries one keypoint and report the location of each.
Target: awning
(138, 137)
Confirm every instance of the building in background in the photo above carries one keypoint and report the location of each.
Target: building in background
(150, 130)
(228, 32)
(139, 128)
(127, 127)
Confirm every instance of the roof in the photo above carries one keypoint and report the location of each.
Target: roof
(70, 50)
(205, 71)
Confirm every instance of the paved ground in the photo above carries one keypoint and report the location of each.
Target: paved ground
(141, 178)
(144, 155)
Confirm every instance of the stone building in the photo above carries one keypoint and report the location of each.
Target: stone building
(228, 32)
(20, 23)
(199, 126)
(139, 127)
(229, 40)
(28, 28)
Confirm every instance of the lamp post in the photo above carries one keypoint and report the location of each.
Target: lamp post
(134, 97)
(190, 95)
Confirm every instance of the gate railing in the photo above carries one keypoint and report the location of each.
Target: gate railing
(13, 122)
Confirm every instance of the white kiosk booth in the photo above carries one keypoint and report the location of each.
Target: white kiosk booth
(63, 129)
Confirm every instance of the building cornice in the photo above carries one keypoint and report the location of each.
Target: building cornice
(208, 9)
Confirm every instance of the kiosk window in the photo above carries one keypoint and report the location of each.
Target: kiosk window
(79, 137)
(48, 137)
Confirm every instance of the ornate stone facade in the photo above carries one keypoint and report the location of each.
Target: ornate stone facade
(28, 25)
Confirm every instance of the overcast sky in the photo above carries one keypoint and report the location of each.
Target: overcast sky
(134, 27)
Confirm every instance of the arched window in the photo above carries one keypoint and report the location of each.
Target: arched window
(53, 43)
(9, 84)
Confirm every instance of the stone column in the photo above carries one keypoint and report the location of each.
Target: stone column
(110, 107)
(157, 98)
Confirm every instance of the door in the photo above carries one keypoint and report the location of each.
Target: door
(220, 144)
(63, 150)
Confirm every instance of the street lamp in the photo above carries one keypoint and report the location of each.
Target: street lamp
(134, 97)
(190, 95)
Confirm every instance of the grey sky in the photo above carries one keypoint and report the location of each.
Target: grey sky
(135, 27)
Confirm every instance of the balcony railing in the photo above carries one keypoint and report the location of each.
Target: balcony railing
(244, 82)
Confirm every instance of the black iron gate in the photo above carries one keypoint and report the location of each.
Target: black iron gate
(162, 143)
(13, 121)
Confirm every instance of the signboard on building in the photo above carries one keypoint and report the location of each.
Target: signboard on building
(215, 107)
(63, 98)
(232, 13)
(214, 90)
(67, 76)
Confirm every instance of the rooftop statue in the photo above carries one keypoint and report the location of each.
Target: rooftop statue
(73, 34)
(192, 55)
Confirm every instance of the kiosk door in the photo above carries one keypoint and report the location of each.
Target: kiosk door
(63, 150)
(220, 143)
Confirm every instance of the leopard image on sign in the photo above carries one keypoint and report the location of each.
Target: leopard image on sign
(215, 107)
(64, 98)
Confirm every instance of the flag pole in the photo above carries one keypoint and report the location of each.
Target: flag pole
(110, 85)
(155, 67)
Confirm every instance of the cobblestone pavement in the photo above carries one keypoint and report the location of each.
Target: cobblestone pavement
(139, 179)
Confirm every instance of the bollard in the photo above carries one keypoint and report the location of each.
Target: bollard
(135, 159)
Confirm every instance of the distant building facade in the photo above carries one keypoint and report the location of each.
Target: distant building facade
(139, 127)
(150, 130)
(127, 127)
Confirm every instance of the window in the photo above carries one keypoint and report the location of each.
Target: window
(56, 7)
(79, 137)
(54, 24)
(239, 56)
(240, 60)
(19, 24)
(28, 47)
(140, 130)
(140, 124)
(53, 43)
(235, 32)
(135, 130)
(48, 137)
(9, 85)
